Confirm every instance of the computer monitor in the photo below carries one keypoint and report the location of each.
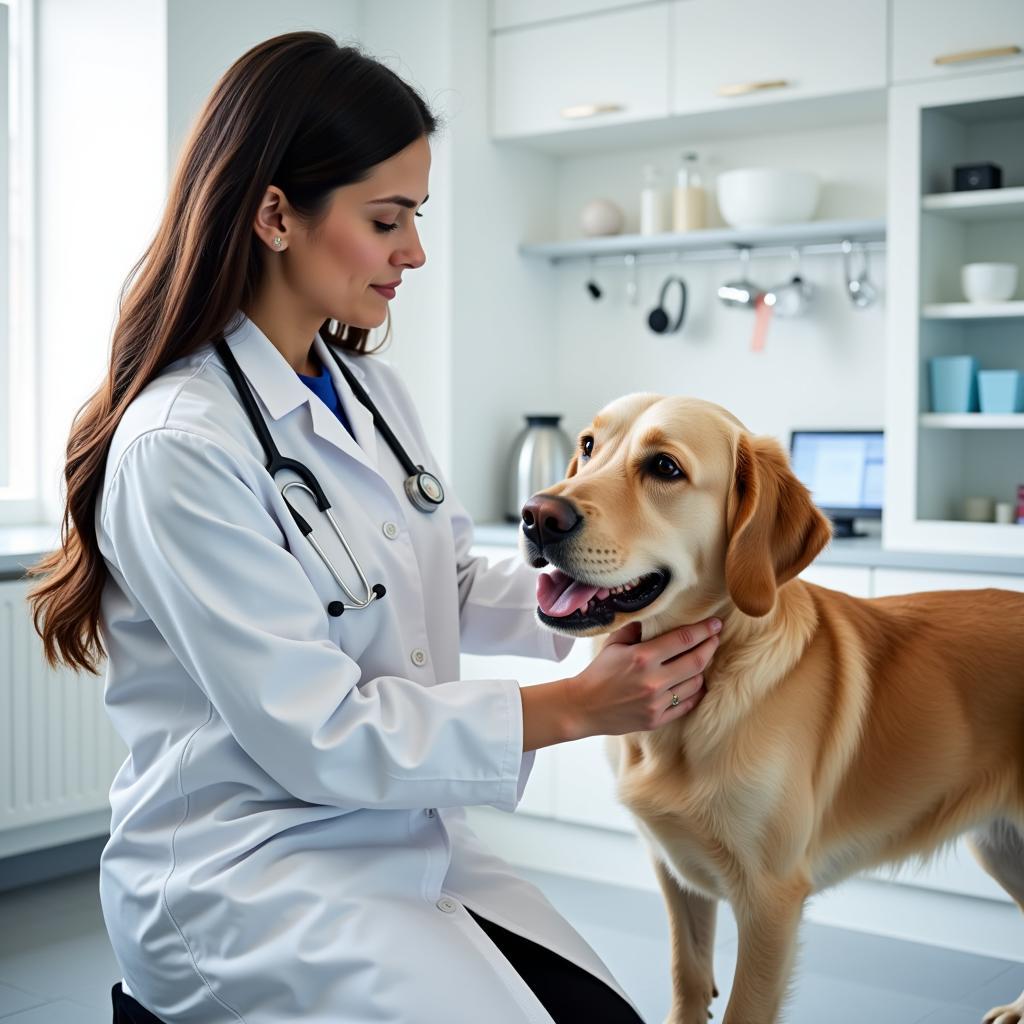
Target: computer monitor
(844, 471)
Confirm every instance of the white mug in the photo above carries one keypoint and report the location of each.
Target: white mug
(988, 282)
(1004, 511)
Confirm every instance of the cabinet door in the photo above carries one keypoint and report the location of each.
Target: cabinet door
(508, 13)
(728, 53)
(539, 795)
(605, 69)
(850, 579)
(585, 788)
(986, 35)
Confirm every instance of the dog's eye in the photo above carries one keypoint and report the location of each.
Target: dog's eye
(666, 467)
(587, 447)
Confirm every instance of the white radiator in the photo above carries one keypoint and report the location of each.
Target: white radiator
(58, 750)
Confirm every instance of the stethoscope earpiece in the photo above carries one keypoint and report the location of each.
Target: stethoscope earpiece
(658, 319)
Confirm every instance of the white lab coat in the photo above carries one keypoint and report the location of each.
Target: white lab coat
(287, 834)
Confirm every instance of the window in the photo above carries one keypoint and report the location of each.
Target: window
(19, 434)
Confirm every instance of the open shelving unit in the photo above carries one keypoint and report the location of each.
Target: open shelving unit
(937, 460)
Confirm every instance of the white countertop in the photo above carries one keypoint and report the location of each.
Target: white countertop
(21, 546)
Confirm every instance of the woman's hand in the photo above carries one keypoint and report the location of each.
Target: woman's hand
(629, 686)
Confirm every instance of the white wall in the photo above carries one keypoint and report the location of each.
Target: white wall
(101, 154)
(204, 39)
(472, 330)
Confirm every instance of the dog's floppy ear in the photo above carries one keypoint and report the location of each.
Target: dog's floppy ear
(574, 464)
(775, 529)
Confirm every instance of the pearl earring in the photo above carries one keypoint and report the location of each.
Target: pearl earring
(277, 242)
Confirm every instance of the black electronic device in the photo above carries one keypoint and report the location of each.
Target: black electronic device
(972, 176)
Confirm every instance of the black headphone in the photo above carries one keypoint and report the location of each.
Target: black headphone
(657, 319)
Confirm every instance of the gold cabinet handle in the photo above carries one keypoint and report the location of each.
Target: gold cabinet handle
(745, 88)
(581, 110)
(995, 51)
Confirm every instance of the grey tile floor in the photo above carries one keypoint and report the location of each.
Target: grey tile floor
(56, 965)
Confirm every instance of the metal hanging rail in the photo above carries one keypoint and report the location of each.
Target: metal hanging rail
(812, 239)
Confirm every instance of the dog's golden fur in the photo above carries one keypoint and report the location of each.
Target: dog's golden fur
(836, 733)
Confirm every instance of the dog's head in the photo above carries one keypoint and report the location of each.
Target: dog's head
(669, 507)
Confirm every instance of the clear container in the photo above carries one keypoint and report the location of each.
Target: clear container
(688, 200)
(653, 207)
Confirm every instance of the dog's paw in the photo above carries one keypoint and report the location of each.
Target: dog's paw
(1011, 1014)
(693, 1010)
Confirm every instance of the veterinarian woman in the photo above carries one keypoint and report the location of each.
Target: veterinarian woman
(288, 840)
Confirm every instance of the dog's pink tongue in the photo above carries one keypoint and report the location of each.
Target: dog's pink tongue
(560, 595)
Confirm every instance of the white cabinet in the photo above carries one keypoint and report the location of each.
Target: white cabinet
(608, 68)
(850, 579)
(510, 13)
(728, 53)
(962, 38)
(585, 787)
(909, 581)
(934, 463)
(570, 781)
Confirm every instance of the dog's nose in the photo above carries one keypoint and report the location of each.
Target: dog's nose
(548, 519)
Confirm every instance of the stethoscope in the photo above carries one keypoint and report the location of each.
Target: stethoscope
(423, 489)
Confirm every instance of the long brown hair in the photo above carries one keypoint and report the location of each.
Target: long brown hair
(297, 111)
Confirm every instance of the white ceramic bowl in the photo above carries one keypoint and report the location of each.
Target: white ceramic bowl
(988, 282)
(751, 197)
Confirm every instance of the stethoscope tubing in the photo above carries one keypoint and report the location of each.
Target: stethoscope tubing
(423, 489)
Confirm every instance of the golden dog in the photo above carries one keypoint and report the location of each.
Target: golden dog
(836, 733)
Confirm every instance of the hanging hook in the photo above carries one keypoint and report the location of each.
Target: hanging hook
(592, 286)
(631, 284)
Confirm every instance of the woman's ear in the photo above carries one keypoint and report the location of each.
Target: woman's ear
(775, 529)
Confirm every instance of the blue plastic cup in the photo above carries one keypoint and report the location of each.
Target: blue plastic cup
(954, 383)
(1001, 390)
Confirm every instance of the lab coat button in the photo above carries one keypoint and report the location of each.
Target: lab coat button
(419, 657)
(447, 905)
(390, 531)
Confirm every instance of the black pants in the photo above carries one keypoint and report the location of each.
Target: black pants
(128, 1010)
(569, 993)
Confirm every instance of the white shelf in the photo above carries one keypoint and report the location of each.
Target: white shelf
(973, 310)
(827, 232)
(982, 204)
(973, 420)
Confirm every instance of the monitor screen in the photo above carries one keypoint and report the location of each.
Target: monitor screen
(843, 469)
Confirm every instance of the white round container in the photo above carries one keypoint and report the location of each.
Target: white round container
(751, 197)
(601, 217)
(988, 282)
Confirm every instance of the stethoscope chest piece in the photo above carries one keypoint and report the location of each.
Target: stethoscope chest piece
(424, 490)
